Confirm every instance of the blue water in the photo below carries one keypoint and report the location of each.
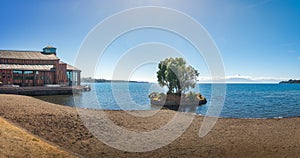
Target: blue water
(242, 100)
(258, 100)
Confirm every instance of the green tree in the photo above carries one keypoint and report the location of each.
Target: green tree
(176, 75)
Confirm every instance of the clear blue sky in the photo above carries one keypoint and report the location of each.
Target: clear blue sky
(258, 39)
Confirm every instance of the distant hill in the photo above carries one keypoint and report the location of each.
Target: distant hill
(239, 80)
(290, 82)
(91, 80)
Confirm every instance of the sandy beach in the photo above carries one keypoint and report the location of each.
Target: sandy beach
(17, 142)
(63, 127)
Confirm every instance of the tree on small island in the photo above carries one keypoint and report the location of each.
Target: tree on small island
(178, 78)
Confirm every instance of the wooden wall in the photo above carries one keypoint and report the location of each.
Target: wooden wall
(6, 76)
(45, 77)
(36, 78)
(61, 74)
(58, 75)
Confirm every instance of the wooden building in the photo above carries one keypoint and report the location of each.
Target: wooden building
(36, 68)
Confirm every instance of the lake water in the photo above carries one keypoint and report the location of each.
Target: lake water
(242, 100)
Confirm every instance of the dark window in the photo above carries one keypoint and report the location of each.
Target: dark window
(17, 78)
(28, 77)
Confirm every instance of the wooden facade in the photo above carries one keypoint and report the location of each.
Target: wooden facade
(31, 68)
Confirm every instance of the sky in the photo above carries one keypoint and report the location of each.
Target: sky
(259, 40)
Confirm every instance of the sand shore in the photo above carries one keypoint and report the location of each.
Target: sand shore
(62, 126)
(16, 142)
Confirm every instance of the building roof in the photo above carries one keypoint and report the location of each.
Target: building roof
(30, 55)
(26, 67)
(49, 47)
(70, 67)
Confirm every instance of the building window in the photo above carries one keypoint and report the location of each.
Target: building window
(17, 77)
(70, 75)
(17, 72)
(28, 77)
(28, 72)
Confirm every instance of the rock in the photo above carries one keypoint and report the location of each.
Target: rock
(173, 101)
(202, 101)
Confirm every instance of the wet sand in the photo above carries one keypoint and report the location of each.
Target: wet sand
(62, 126)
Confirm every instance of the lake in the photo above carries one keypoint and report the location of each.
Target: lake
(242, 100)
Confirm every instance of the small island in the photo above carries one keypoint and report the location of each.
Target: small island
(178, 78)
(290, 82)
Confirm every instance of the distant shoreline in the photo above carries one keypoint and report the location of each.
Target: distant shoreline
(290, 82)
(90, 80)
